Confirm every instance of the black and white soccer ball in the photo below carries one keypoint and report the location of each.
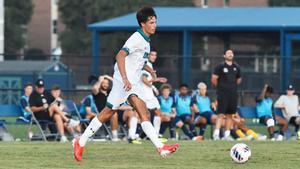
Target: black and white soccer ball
(240, 153)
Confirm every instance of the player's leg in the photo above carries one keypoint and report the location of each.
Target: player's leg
(165, 123)
(230, 112)
(180, 124)
(60, 127)
(114, 127)
(270, 123)
(283, 125)
(132, 121)
(147, 127)
(221, 109)
(188, 120)
(154, 106)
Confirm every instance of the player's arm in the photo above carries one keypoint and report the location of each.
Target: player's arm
(120, 58)
(25, 105)
(89, 112)
(239, 81)
(214, 79)
(151, 71)
(262, 94)
(239, 76)
(37, 109)
(146, 81)
(279, 103)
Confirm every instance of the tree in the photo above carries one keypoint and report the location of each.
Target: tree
(76, 15)
(284, 3)
(17, 16)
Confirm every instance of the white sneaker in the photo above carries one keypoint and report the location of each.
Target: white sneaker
(115, 139)
(262, 138)
(216, 137)
(279, 137)
(63, 139)
(229, 138)
(73, 123)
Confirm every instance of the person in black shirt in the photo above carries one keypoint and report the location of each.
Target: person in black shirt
(100, 91)
(42, 105)
(226, 77)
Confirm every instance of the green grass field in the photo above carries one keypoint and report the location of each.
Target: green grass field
(206, 154)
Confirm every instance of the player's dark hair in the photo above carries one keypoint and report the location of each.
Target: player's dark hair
(226, 51)
(28, 84)
(165, 86)
(143, 15)
(55, 87)
(153, 49)
(183, 85)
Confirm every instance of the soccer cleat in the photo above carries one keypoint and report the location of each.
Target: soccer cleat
(134, 141)
(63, 139)
(279, 137)
(298, 133)
(198, 138)
(163, 140)
(77, 150)
(167, 150)
(216, 137)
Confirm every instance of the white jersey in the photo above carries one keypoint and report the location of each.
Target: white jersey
(291, 104)
(138, 49)
(147, 89)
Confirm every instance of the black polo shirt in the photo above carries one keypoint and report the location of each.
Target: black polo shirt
(100, 100)
(228, 75)
(38, 100)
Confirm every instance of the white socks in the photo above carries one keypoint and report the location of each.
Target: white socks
(93, 127)
(150, 132)
(156, 124)
(114, 134)
(227, 133)
(216, 133)
(132, 127)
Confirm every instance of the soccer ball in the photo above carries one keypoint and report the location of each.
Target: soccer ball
(240, 153)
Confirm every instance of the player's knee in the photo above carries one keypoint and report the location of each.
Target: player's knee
(297, 120)
(179, 124)
(270, 123)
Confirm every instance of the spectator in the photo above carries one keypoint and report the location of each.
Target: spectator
(41, 104)
(184, 115)
(202, 106)
(56, 93)
(100, 91)
(88, 109)
(289, 103)
(24, 102)
(264, 109)
(168, 115)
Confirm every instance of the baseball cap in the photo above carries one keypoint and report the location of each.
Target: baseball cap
(40, 83)
(290, 87)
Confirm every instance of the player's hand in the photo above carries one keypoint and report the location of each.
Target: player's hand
(127, 84)
(45, 106)
(153, 74)
(162, 79)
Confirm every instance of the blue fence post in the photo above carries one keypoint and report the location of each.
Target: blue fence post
(186, 53)
(96, 52)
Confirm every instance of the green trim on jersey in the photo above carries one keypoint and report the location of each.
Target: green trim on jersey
(147, 38)
(126, 50)
(145, 74)
(109, 105)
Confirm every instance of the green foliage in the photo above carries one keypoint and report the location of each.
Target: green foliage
(284, 3)
(76, 15)
(17, 16)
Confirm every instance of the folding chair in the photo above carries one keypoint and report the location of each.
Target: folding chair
(73, 110)
(43, 126)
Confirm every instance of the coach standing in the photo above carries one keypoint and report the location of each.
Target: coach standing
(226, 77)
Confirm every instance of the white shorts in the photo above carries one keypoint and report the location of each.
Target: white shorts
(152, 103)
(118, 95)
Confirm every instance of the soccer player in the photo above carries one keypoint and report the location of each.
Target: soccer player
(168, 115)
(289, 103)
(226, 77)
(264, 109)
(150, 99)
(202, 106)
(127, 83)
(184, 114)
(28, 88)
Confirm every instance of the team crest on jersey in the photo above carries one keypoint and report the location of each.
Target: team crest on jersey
(225, 70)
(234, 69)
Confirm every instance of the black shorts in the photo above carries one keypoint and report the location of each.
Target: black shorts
(120, 116)
(293, 121)
(227, 103)
(43, 116)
